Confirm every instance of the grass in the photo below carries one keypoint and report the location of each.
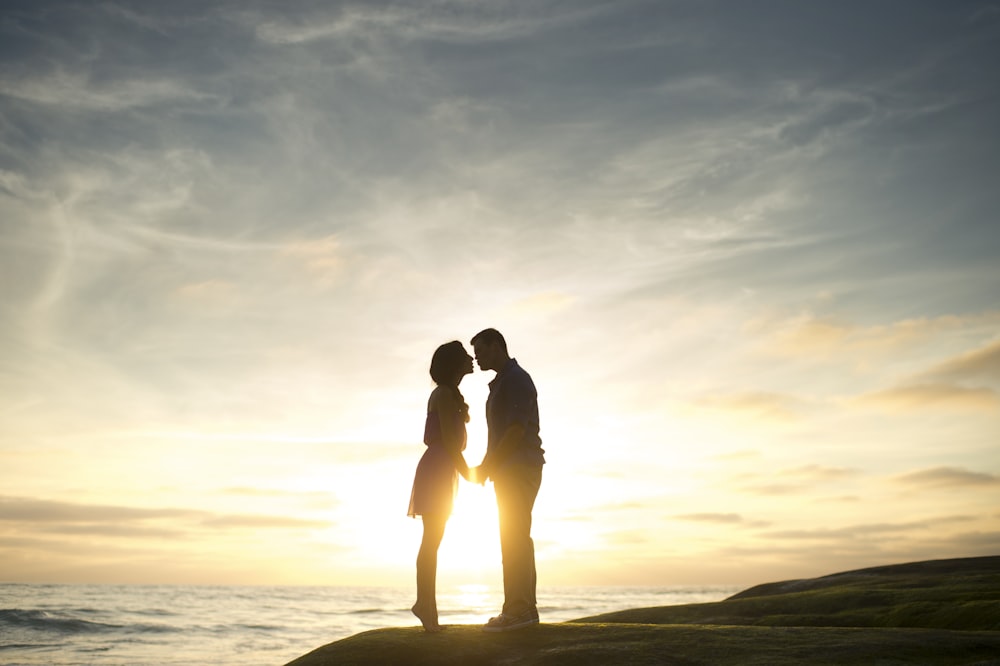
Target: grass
(939, 612)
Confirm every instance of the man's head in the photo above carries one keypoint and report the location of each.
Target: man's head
(490, 349)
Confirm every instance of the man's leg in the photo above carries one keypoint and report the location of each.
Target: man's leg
(516, 488)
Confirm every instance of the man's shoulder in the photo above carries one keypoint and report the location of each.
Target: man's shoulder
(516, 376)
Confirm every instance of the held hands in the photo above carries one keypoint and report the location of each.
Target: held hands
(473, 474)
(479, 475)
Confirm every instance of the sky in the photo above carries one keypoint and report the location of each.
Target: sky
(747, 251)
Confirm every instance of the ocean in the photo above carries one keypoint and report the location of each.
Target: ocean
(163, 625)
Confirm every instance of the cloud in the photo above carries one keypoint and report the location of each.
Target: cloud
(317, 495)
(322, 258)
(846, 499)
(68, 91)
(110, 530)
(773, 489)
(818, 473)
(937, 396)
(810, 334)
(979, 365)
(947, 477)
(49, 542)
(720, 518)
(35, 510)
(957, 383)
(70, 518)
(263, 522)
(978, 542)
(762, 405)
(801, 479)
(867, 531)
(350, 20)
(469, 23)
(711, 517)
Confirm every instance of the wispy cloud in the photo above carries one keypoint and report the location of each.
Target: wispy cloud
(773, 489)
(462, 23)
(819, 473)
(721, 519)
(941, 396)
(810, 334)
(263, 522)
(947, 477)
(766, 406)
(70, 518)
(36, 510)
(711, 517)
(868, 530)
(68, 91)
(967, 381)
(979, 365)
(804, 479)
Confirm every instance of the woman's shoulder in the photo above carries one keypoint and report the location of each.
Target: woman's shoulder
(442, 399)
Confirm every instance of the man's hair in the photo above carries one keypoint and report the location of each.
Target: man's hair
(489, 336)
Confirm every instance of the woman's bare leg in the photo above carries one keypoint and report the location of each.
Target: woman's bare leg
(426, 607)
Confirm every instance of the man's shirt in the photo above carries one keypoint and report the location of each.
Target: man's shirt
(513, 399)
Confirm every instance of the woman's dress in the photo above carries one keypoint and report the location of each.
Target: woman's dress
(436, 481)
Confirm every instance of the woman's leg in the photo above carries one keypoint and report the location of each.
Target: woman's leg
(426, 606)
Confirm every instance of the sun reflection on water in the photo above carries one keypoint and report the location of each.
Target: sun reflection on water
(478, 602)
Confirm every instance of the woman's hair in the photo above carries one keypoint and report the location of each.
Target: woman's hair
(446, 369)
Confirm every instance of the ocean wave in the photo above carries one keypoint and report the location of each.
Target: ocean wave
(39, 620)
(34, 647)
(45, 621)
(371, 611)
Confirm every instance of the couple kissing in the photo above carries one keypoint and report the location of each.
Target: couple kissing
(513, 462)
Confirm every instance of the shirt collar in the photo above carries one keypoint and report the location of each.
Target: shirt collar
(502, 371)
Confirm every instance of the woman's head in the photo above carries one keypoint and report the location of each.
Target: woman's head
(450, 363)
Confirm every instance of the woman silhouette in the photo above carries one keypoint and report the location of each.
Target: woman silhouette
(436, 480)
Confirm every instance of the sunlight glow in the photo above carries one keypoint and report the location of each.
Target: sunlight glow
(470, 551)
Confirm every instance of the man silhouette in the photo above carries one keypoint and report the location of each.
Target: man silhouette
(514, 459)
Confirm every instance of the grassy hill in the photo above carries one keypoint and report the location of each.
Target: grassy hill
(937, 612)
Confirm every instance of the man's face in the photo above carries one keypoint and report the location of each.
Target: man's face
(485, 355)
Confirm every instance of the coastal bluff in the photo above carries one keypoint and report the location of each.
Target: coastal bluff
(934, 612)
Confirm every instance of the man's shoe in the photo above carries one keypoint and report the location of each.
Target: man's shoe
(504, 622)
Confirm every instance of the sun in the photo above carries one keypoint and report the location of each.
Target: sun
(381, 543)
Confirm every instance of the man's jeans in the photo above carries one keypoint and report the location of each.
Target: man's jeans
(516, 487)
